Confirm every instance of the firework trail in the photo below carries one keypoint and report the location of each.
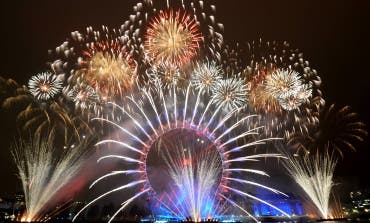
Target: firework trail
(44, 173)
(338, 129)
(197, 189)
(42, 118)
(315, 177)
(184, 111)
(194, 170)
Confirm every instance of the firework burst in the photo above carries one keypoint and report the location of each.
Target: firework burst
(45, 86)
(165, 75)
(287, 88)
(195, 121)
(49, 118)
(198, 14)
(185, 117)
(172, 37)
(284, 89)
(108, 69)
(230, 94)
(206, 76)
(99, 58)
(282, 72)
(283, 83)
(84, 96)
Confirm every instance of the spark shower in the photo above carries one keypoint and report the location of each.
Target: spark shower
(176, 102)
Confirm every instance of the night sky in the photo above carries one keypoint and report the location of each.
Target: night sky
(334, 36)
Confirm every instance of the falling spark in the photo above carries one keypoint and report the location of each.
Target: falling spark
(315, 177)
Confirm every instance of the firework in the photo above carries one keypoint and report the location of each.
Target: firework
(99, 58)
(230, 94)
(262, 101)
(283, 83)
(44, 174)
(193, 17)
(290, 102)
(172, 37)
(108, 69)
(84, 96)
(186, 118)
(206, 76)
(165, 75)
(283, 70)
(338, 129)
(194, 125)
(287, 87)
(194, 170)
(284, 88)
(315, 177)
(304, 92)
(45, 86)
(48, 118)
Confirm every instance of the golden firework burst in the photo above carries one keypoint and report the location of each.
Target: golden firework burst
(172, 37)
(108, 69)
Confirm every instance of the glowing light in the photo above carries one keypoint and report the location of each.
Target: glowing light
(108, 69)
(185, 126)
(206, 76)
(165, 75)
(43, 174)
(45, 86)
(315, 176)
(230, 94)
(84, 96)
(172, 37)
(286, 86)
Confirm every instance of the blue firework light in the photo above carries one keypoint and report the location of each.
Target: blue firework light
(196, 144)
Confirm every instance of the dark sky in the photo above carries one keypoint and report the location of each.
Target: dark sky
(334, 36)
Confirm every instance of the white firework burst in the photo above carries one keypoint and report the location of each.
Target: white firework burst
(84, 96)
(294, 100)
(45, 86)
(206, 76)
(230, 94)
(282, 83)
(304, 92)
(286, 86)
(164, 75)
(290, 102)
